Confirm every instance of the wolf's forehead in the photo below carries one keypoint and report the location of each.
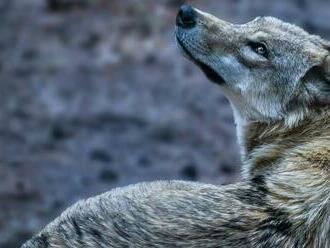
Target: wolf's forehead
(273, 25)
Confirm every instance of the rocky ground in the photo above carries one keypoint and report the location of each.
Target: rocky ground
(94, 95)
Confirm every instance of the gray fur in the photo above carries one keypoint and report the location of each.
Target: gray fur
(281, 106)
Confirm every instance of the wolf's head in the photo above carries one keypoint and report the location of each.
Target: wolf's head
(269, 70)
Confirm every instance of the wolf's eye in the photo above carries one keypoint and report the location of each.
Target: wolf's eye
(259, 48)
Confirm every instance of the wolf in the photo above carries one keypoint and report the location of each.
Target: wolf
(277, 79)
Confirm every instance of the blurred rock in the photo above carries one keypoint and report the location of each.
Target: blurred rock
(108, 176)
(101, 156)
(189, 172)
(65, 5)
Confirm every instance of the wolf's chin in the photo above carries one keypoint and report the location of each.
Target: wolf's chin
(210, 73)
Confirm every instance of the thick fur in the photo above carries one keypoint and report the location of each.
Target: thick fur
(281, 106)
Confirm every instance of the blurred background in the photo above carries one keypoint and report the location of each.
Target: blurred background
(94, 95)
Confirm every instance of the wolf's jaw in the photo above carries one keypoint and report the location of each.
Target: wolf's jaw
(210, 73)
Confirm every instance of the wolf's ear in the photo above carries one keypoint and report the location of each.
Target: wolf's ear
(320, 89)
(320, 63)
(317, 79)
(326, 68)
(317, 65)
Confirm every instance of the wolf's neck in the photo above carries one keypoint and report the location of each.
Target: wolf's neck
(263, 144)
(294, 163)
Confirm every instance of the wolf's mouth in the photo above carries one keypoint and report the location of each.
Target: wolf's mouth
(210, 73)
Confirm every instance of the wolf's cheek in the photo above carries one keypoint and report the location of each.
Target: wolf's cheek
(234, 73)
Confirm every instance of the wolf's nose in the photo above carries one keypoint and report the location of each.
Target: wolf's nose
(186, 17)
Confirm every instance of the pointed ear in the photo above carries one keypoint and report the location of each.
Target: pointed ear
(317, 81)
(318, 62)
(326, 67)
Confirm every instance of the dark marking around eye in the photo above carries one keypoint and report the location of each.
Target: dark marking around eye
(259, 48)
